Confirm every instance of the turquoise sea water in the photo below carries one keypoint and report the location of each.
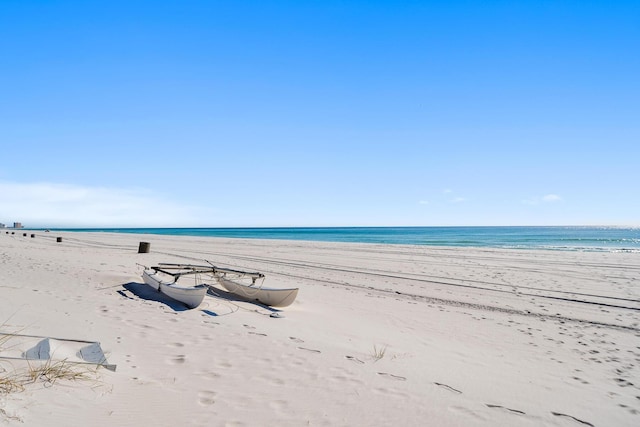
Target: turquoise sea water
(609, 239)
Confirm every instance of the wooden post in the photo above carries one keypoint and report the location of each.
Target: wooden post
(143, 248)
(33, 235)
(58, 239)
(24, 234)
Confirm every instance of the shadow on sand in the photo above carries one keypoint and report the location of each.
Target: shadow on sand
(145, 292)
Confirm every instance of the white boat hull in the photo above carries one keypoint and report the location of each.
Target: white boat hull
(191, 296)
(267, 296)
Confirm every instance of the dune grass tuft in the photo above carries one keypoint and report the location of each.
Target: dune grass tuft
(10, 383)
(51, 371)
(378, 352)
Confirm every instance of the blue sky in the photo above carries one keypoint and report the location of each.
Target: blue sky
(319, 113)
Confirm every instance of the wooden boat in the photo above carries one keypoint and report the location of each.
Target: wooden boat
(234, 282)
(166, 282)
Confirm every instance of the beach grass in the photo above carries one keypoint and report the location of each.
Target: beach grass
(378, 352)
(54, 370)
(10, 383)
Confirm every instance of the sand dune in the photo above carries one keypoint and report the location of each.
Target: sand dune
(379, 335)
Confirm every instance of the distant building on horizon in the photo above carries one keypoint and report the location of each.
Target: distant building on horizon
(2, 225)
(17, 225)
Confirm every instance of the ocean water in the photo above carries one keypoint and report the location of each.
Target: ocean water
(609, 239)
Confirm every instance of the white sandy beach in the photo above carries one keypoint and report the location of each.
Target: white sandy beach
(465, 337)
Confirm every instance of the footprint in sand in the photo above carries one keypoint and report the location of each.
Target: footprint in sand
(515, 411)
(294, 339)
(177, 360)
(224, 364)
(558, 414)
(258, 333)
(622, 382)
(209, 375)
(581, 380)
(206, 398)
(128, 360)
(210, 322)
(390, 392)
(395, 377)
(447, 387)
(309, 349)
(354, 359)
(248, 326)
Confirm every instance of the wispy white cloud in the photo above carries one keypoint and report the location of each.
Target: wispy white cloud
(423, 202)
(458, 200)
(51, 204)
(447, 191)
(549, 198)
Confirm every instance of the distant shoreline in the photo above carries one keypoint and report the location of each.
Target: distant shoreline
(564, 238)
